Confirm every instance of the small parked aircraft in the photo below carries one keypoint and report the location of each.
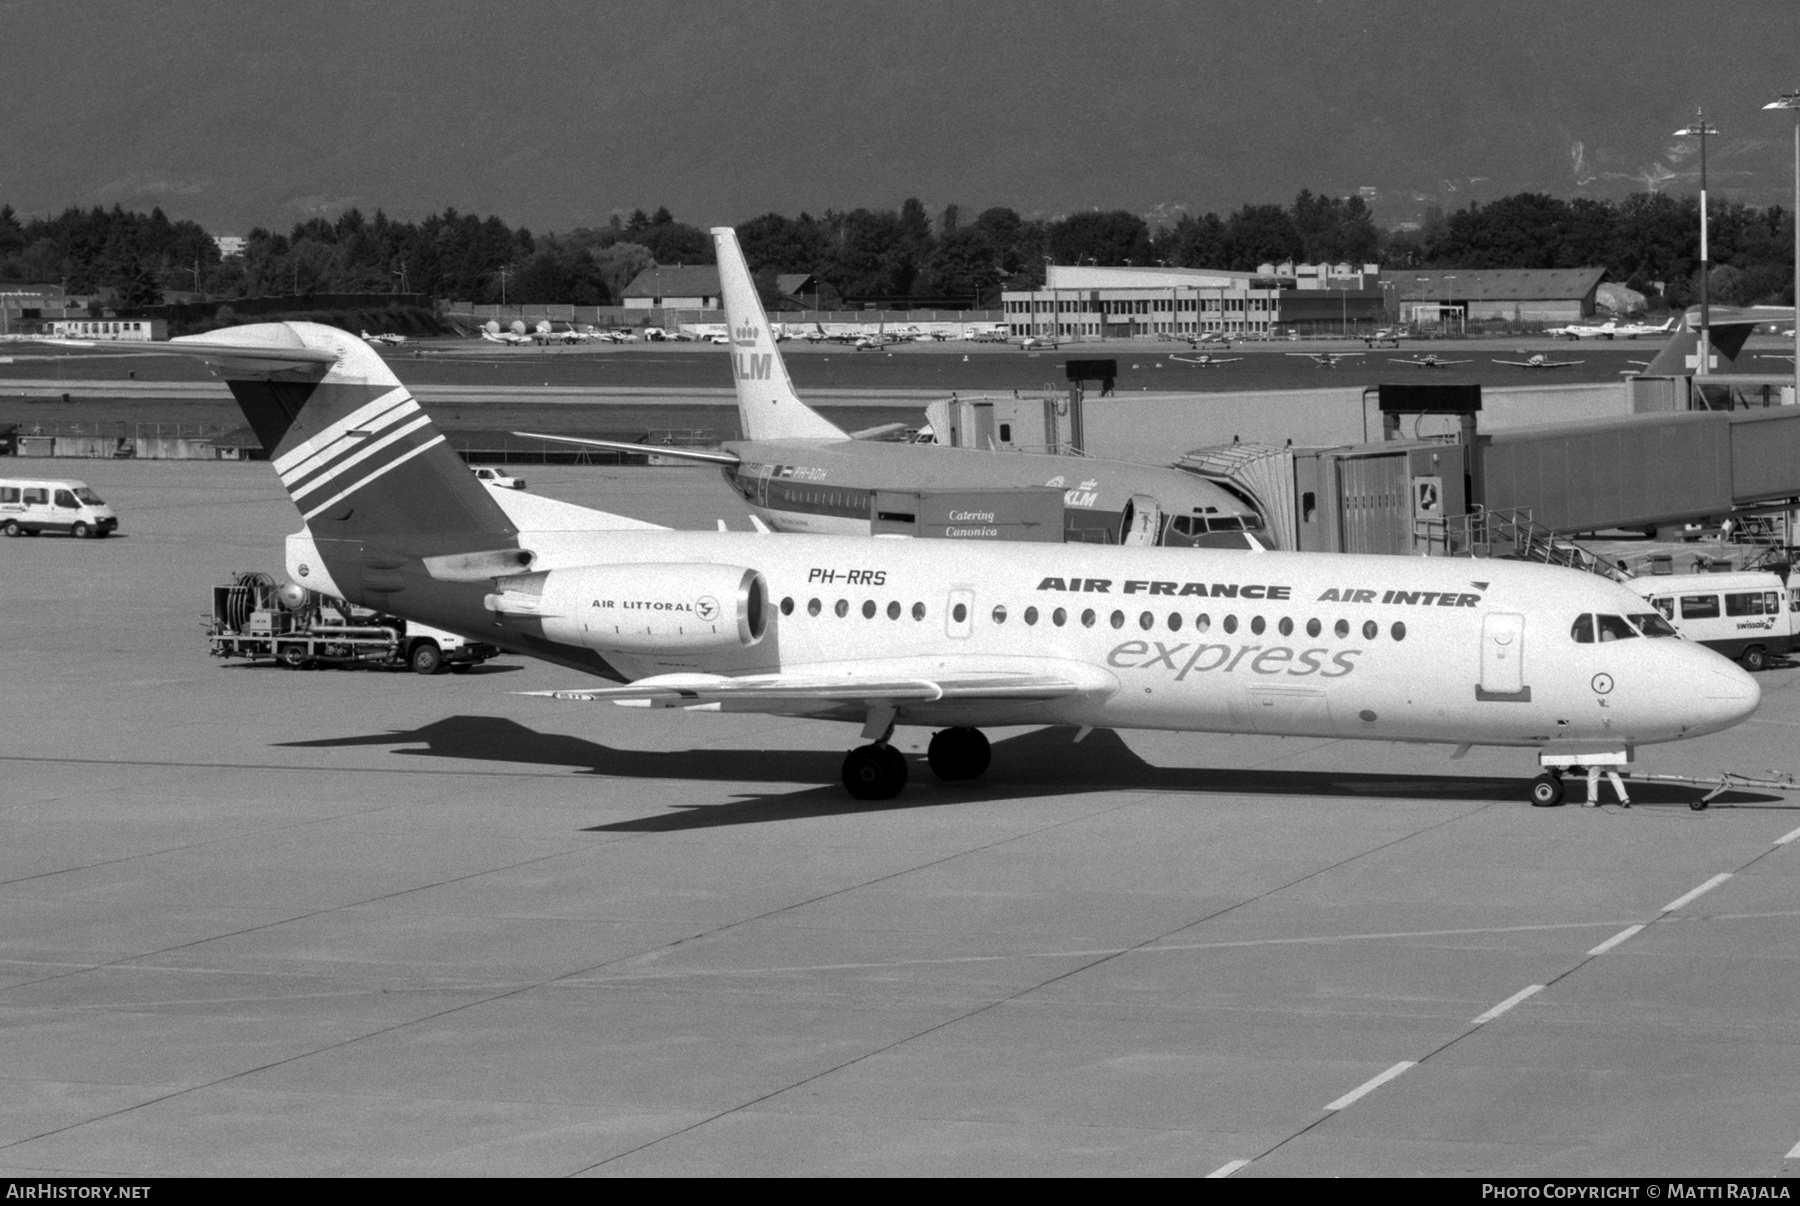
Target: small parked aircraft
(1324, 359)
(1541, 361)
(1428, 360)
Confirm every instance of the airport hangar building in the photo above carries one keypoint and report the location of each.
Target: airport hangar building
(1078, 302)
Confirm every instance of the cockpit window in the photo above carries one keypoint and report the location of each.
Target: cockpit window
(1651, 624)
(1583, 630)
(1614, 628)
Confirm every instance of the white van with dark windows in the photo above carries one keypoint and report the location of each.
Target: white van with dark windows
(33, 506)
(1745, 616)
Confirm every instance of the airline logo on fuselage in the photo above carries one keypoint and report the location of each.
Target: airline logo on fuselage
(1404, 598)
(744, 335)
(1143, 586)
(1183, 659)
(753, 366)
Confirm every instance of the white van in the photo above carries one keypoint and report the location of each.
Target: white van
(1744, 616)
(30, 506)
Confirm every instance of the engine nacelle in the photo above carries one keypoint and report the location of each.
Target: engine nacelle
(658, 608)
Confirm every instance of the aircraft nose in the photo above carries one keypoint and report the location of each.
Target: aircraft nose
(1728, 693)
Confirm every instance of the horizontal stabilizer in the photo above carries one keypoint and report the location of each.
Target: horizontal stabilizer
(255, 356)
(709, 456)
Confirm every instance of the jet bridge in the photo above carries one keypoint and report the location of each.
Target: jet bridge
(1632, 471)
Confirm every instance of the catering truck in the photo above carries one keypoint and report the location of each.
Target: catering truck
(254, 618)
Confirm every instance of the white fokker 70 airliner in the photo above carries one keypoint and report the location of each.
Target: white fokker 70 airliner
(885, 632)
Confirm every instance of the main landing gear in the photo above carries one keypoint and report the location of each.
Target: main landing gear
(878, 771)
(874, 772)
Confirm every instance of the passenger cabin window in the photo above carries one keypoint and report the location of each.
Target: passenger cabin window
(37, 496)
(9, 494)
(1752, 603)
(1666, 606)
(1699, 607)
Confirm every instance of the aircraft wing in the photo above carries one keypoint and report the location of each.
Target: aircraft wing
(870, 433)
(683, 690)
(709, 456)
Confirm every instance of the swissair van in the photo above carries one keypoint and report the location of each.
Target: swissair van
(32, 506)
(1744, 616)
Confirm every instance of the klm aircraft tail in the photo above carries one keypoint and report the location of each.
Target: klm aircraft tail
(768, 408)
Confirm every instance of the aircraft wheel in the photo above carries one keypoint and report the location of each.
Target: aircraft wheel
(897, 762)
(1755, 658)
(874, 772)
(1546, 791)
(959, 754)
(427, 658)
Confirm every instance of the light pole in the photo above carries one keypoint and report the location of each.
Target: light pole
(1699, 128)
(1450, 290)
(1791, 100)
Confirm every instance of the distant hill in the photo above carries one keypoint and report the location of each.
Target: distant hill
(554, 115)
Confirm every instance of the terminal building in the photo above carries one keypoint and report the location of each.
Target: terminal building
(1086, 302)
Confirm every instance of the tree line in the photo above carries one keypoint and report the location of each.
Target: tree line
(1649, 241)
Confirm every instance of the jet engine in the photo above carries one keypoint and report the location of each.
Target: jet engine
(667, 608)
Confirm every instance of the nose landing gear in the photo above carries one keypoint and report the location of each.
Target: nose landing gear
(1547, 790)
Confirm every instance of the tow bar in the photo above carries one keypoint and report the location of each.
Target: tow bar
(1613, 764)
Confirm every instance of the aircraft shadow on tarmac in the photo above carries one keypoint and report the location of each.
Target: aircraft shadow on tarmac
(1040, 763)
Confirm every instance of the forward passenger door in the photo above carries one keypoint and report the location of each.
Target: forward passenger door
(1503, 659)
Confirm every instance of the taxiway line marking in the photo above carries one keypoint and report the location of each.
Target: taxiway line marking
(1785, 838)
(1507, 1004)
(1617, 938)
(1373, 1083)
(1224, 1170)
(1704, 888)
(1793, 1153)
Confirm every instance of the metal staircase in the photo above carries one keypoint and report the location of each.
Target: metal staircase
(1509, 533)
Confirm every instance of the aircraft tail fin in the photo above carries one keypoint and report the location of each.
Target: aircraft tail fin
(357, 454)
(1680, 356)
(768, 407)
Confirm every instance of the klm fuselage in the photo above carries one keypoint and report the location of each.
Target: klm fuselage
(833, 487)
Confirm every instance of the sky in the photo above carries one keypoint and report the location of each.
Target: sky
(555, 115)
